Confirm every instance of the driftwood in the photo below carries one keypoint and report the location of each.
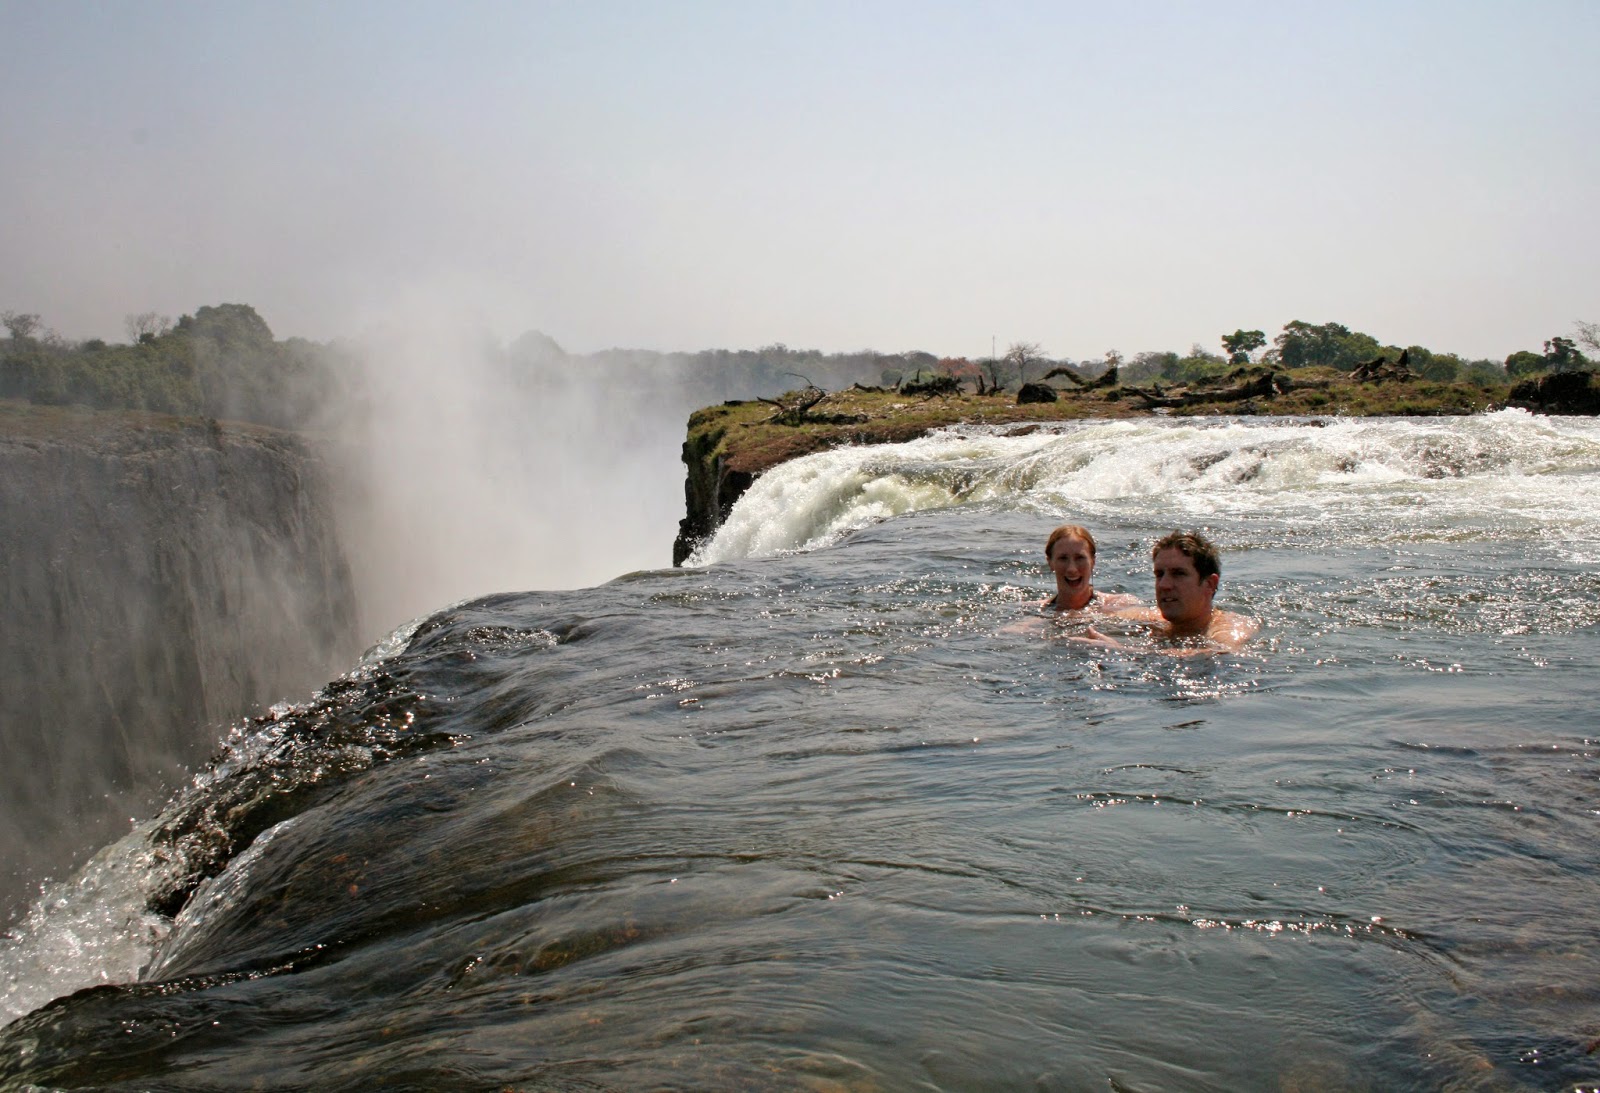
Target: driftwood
(794, 412)
(1077, 380)
(1264, 385)
(797, 410)
(1378, 369)
(1105, 380)
(942, 386)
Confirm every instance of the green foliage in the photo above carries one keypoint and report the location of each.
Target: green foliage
(1484, 373)
(1524, 362)
(1149, 366)
(1561, 355)
(221, 362)
(1241, 343)
(20, 326)
(141, 377)
(1168, 367)
(1439, 367)
(224, 362)
(1333, 345)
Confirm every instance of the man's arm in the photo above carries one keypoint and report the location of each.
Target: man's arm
(1228, 632)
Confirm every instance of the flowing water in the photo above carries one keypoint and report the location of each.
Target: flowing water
(818, 813)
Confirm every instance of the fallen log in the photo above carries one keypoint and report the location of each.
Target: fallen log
(1263, 386)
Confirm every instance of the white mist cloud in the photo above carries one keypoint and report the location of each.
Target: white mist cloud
(464, 470)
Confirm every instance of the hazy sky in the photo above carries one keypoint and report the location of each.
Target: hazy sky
(833, 175)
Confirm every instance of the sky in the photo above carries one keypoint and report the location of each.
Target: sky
(839, 176)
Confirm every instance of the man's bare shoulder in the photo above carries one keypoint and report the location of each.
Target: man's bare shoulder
(1231, 630)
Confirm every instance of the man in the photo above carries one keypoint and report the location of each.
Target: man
(1187, 572)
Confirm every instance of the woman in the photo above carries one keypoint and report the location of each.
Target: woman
(1070, 551)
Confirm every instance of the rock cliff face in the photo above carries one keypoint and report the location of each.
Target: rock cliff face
(710, 487)
(160, 579)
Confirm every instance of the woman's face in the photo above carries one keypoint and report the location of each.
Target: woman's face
(1072, 562)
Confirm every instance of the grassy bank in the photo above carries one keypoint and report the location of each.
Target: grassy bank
(750, 437)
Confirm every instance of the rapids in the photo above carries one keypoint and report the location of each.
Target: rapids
(814, 813)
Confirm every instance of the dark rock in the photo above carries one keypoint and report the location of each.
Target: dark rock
(709, 489)
(1561, 393)
(1035, 392)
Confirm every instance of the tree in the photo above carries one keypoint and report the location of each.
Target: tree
(1589, 336)
(146, 326)
(1151, 365)
(1524, 361)
(1241, 343)
(1021, 354)
(21, 327)
(1561, 355)
(1484, 373)
(1333, 345)
(961, 370)
(1439, 367)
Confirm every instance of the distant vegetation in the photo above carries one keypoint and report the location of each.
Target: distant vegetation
(224, 362)
(220, 362)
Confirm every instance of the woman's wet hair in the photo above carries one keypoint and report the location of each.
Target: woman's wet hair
(1070, 531)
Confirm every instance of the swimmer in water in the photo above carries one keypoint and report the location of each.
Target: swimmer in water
(1070, 552)
(1187, 571)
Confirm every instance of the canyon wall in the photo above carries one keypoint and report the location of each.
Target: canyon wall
(161, 578)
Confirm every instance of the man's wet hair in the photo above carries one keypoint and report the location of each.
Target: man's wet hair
(1194, 546)
(1070, 531)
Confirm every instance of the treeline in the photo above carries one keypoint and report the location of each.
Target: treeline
(224, 362)
(1299, 345)
(220, 362)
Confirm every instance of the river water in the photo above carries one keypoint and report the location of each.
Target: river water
(815, 813)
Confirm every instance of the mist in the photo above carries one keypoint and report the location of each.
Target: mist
(464, 466)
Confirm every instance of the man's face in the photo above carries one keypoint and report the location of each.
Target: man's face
(1072, 562)
(1182, 596)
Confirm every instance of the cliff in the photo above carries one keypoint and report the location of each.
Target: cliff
(730, 445)
(161, 578)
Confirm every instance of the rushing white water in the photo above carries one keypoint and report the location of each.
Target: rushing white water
(1504, 473)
